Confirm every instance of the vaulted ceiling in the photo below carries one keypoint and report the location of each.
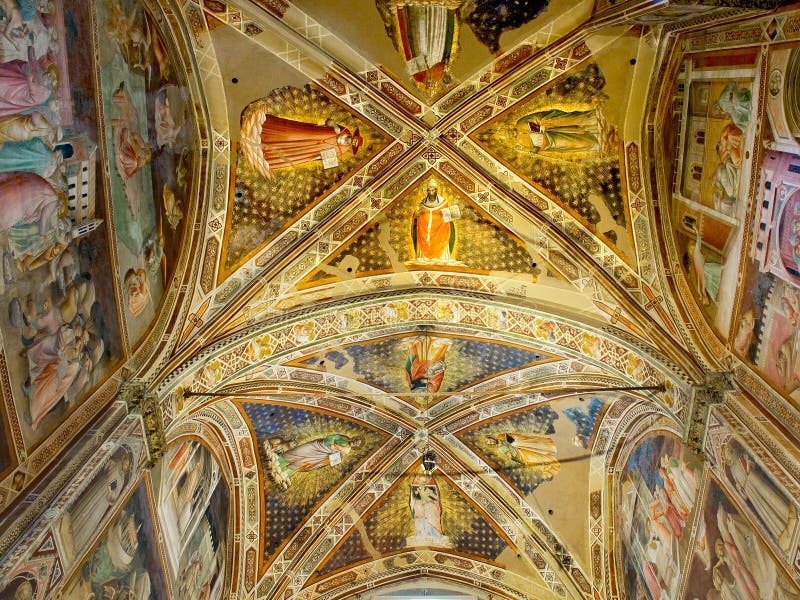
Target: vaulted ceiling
(318, 311)
(419, 274)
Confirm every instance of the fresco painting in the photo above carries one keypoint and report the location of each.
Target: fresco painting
(543, 451)
(657, 493)
(295, 145)
(765, 330)
(304, 455)
(424, 510)
(90, 511)
(188, 476)
(60, 330)
(422, 364)
(559, 136)
(125, 562)
(427, 34)
(523, 446)
(431, 226)
(151, 145)
(765, 502)
(730, 559)
(708, 211)
(191, 485)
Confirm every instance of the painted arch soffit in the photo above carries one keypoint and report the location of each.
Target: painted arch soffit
(358, 200)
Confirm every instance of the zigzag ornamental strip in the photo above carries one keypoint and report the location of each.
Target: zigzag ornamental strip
(512, 59)
(396, 94)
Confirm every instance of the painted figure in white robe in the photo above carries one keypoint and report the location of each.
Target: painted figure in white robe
(774, 510)
(98, 499)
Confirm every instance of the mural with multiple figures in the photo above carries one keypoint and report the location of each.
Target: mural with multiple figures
(304, 455)
(126, 561)
(712, 174)
(151, 149)
(60, 329)
(730, 560)
(655, 507)
(91, 510)
(750, 292)
(764, 501)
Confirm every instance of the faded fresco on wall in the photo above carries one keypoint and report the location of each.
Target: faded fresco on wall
(543, 451)
(89, 513)
(125, 563)
(193, 512)
(151, 145)
(564, 141)
(60, 329)
(764, 501)
(413, 366)
(730, 560)
(304, 455)
(431, 226)
(765, 330)
(295, 146)
(424, 510)
(187, 474)
(655, 505)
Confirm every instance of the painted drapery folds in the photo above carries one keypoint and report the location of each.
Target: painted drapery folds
(193, 508)
(730, 559)
(151, 144)
(657, 493)
(126, 560)
(427, 33)
(417, 367)
(295, 146)
(63, 253)
(565, 141)
(60, 328)
(304, 455)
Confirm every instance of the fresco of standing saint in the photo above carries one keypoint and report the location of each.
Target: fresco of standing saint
(432, 230)
(527, 450)
(304, 455)
(426, 367)
(328, 451)
(558, 131)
